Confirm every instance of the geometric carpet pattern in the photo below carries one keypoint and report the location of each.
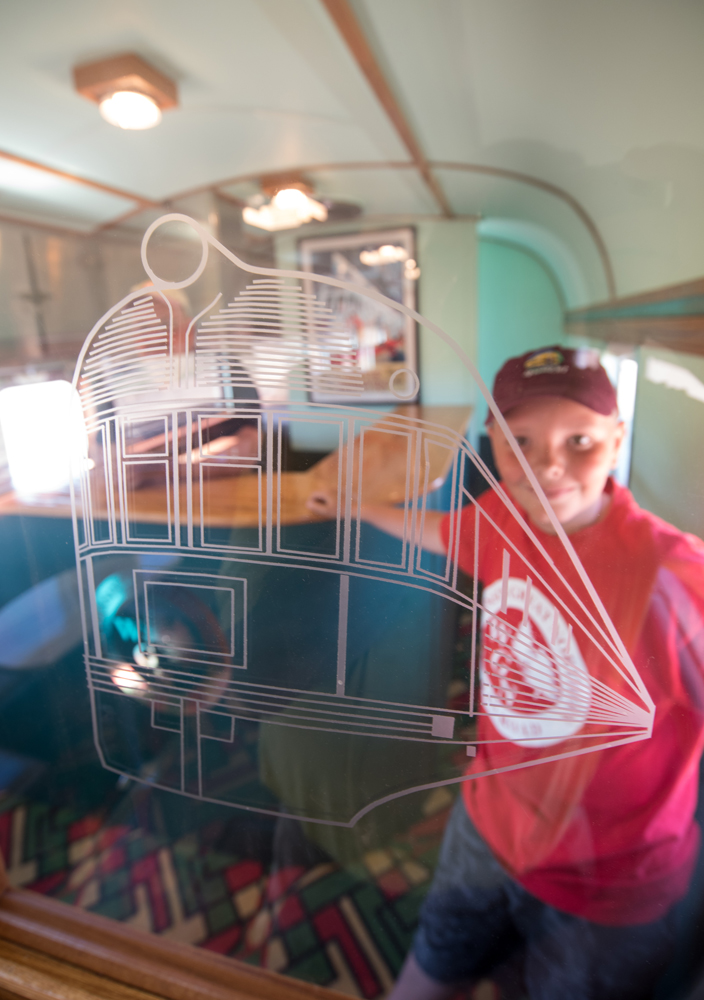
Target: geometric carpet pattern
(346, 928)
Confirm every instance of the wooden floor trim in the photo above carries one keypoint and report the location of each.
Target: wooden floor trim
(86, 943)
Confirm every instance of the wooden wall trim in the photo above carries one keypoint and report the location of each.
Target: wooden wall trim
(670, 317)
(667, 293)
(77, 179)
(216, 186)
(556, 192)
(675, 333)
(472, 168)
(146, 962)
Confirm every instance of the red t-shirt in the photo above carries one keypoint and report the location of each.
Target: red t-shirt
(607, 835)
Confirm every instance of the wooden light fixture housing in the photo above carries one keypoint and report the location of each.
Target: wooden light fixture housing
(98, 80)
(272, 183)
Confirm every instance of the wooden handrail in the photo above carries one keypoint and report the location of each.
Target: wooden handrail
(76, 946)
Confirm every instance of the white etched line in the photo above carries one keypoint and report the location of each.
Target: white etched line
(175, 483)
(443, 726)
(199, 751)
(187, 346)
(456, 463)
(413, 462)
(504, 581)
(182, 743)
(90, 579)
(360, 489)
(279, 481)
(108, 477)
(269, 483)
(526, 605)
(342, 634)
(456, 515)
(561, 603)
(189, 478)
(426, 480)
(349, 485)
(475, 609)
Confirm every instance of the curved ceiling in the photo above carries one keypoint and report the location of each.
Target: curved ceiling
(598, 103)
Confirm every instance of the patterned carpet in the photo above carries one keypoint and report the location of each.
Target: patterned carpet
(131, 853)
(344, 928)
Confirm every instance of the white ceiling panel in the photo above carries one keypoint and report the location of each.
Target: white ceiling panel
(596, 79)
(263, 86)
(602, 99)
(33, 194)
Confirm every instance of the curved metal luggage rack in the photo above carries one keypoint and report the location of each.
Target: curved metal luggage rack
(216, 606)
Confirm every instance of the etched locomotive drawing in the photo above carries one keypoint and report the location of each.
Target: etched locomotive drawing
(213, 608)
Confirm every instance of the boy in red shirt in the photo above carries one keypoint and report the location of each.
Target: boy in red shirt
(579, 860)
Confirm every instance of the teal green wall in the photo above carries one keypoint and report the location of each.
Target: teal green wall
(447, 295)
(520, 308)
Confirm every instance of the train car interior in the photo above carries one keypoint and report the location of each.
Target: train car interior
(260, 263)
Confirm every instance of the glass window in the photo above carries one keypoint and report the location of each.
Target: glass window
(349, 487)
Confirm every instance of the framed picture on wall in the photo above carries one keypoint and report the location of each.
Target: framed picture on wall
(384, 341)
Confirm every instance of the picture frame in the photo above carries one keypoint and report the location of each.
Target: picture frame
(386, 342)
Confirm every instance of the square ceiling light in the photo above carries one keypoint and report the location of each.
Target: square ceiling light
(130, 93)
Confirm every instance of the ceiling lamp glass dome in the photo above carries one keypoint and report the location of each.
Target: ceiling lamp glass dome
(130, 110)
(289, 208)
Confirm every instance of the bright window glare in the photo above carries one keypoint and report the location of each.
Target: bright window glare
(43, 431)
(674, 377)
(19, 177)
(623, 372)
(626, 388)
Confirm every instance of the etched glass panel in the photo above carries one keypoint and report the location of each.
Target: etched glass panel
(302, 595)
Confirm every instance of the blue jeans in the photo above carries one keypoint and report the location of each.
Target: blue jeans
(475, 916)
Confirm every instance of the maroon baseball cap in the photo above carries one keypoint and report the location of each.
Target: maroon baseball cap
(555, 371)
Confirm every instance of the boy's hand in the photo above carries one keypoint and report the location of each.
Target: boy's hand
(393, 520)
(323, 503)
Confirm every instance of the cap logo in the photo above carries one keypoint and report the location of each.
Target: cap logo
(545, 363)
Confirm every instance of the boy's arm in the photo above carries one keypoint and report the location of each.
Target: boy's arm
(392, 520)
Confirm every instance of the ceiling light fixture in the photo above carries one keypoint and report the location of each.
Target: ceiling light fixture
(291, 205)
(128, 109)
(386, 254)
(131, 94)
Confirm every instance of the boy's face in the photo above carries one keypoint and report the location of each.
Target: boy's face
(571, 450)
